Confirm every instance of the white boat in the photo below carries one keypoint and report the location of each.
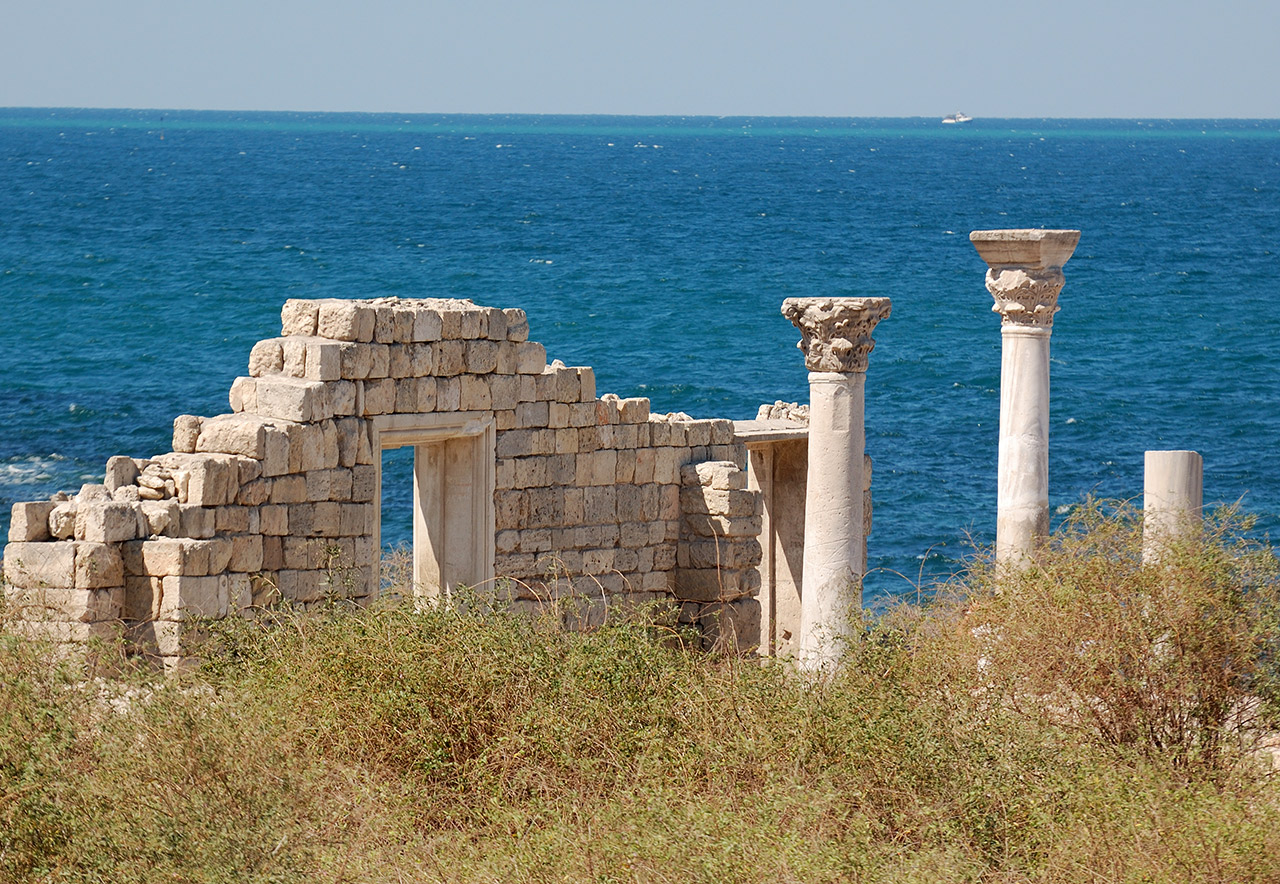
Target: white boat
(957, 118)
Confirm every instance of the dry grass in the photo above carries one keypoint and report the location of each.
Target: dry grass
(1014, 735)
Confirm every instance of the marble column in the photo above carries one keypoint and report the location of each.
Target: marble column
(1172, 496)
(836, 340)
(1024, 276)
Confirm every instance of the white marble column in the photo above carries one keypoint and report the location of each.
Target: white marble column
(1024, 276)
(836, 340)
(1172, 497)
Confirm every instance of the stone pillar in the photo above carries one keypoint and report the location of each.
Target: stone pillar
(1024, 276)
(836, 340)
(1172, 496)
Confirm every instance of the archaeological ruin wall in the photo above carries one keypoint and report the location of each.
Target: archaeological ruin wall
(526, 484)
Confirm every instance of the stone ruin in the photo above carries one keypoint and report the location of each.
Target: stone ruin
(527, 484)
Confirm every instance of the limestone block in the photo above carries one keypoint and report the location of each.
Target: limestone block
(195, 521)
(379, 396)
(142, 597)
(65, 605)
(363, 483)
(517, 324)
(481, 356)
(354, 519)
(669, 503)
(666, 466)
(243, 397)
(98, 565)
(208, 479)
(322, 360)
(708, 584)
(301, 553)
(507, 541)
(635, 535)
(301, 519)
(504, 420)
(349, 432)
(241, 434)
(562, 469)
(266, 357)
(421, 360)
(274, 520)
(253, 493)
(730, 627)
(329, 444)
(546, 508)
(505, 392)
(381, 366)
(475, 394)
(597, 561)
(345, 321)
(36, 565)
(120, 471)
(507, 358)
(301, 586)
(625, 560)
(289, 489)
(645, 462)
(511, 509)
(275, 448)
(631, 503)
(604, 469)
(601, 503)
(339, 484)
(531, 358)
(184, 598)
(327, 519)
(292, 399)
(401, 361)
(106, 521)
(450, 358)
(355, 361)
(30, 521)
(702, 525)
(530, 472)
(428, 324)
(306, 448)
(294, 351)
(723, 553)
(532, 415)
(231, 519)
(161, 517)
(626, 466)
(239, 593)
(342, 398)
(168, 557)
(724, 503)
(298, 317)
(384, 324)
(464, 321)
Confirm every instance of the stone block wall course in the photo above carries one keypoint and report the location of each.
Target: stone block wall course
(594, 496)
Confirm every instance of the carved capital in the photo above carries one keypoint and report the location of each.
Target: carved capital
(1026, 298)
(836, 332)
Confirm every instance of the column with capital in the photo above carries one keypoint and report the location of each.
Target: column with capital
(836, 340)
(1024, 276)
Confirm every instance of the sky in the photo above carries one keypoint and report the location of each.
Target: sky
(1082, 58)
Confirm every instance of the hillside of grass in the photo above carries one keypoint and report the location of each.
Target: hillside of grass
(1089, 719)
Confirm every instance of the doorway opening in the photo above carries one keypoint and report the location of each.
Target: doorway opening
(453, 485)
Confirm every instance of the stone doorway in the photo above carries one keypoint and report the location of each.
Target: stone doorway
(453, 486)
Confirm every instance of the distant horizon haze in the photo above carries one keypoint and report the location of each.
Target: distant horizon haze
(814, 58)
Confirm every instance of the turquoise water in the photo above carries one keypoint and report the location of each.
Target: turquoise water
(142, 254)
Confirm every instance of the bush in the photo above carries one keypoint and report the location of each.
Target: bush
(1174, 659)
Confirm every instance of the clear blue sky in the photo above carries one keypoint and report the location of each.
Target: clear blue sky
(1074, 58)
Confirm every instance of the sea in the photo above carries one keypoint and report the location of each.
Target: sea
(142, 253)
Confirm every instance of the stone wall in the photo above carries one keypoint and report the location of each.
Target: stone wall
(278, 500)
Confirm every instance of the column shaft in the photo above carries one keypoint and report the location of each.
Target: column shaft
(1172, 497)
(1022, 497)
(834, 553)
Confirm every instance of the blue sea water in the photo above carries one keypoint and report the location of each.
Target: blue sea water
(142, 253)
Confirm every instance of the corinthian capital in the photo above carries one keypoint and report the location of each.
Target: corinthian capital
(836, 332)
(1026, 298)
(1025, 272)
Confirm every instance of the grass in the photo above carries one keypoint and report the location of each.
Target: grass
(1092, 719)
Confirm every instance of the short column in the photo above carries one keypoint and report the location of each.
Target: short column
(836, 340)
(1172, 497)
(1024, 276)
